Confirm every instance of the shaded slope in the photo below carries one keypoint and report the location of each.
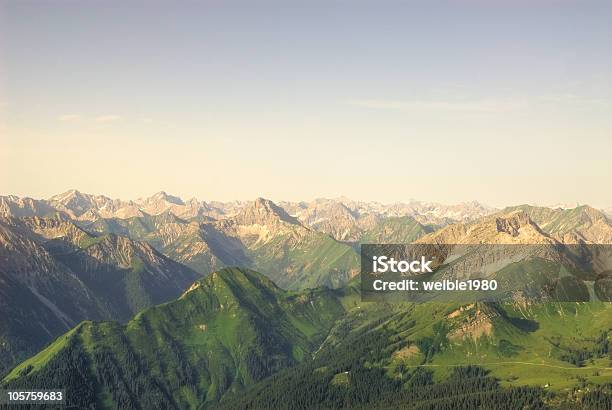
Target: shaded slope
(125, 275)
(39, 297)
(128, 276)
(53, 275)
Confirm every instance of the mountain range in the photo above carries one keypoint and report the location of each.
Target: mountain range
(342, 218)
(143, 302)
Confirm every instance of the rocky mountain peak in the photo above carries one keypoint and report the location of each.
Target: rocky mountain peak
(76, 199)
(262, 212)
(72, 193)
(511, 227)
(163, 196)
(513, 222)
(75, 203)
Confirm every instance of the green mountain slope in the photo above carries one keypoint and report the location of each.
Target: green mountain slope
(403, 229)
(226, 332)
(433, 356)
(235, 340)
(310, 260)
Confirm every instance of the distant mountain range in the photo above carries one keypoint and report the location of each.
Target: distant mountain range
(344, 218)
(77, 257)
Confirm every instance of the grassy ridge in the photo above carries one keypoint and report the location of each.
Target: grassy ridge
(232, 329)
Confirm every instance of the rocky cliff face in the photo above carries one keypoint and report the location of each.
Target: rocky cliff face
(514, 227)
(582, 224)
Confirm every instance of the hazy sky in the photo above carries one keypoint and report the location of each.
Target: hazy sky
(505, 102)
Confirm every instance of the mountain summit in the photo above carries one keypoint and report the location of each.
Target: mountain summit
(263, 211)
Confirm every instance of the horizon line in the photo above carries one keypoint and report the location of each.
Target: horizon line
(340, 198)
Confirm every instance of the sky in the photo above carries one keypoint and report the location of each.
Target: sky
(504, 102)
